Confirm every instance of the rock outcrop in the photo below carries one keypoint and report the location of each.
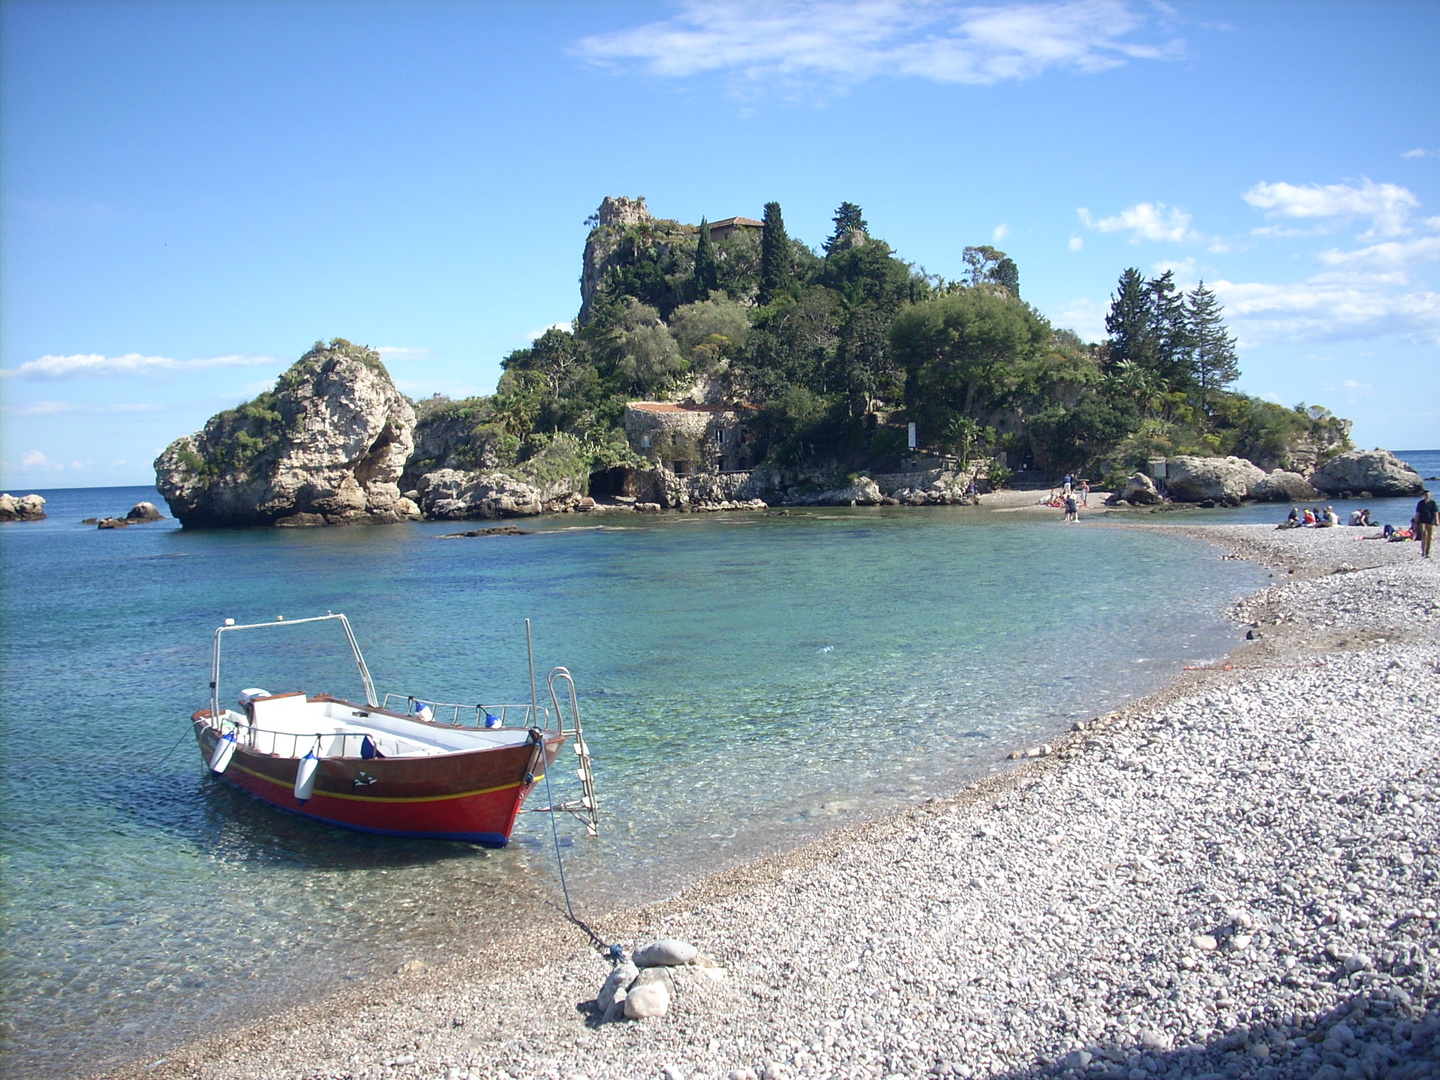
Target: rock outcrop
(1140, 490)
(1198, 479)
(143, 512)
(551, 481)
(325, 447)
(1376, 471)
(25, 508)
(1282, 486)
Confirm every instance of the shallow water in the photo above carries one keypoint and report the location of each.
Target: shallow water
(747, 681)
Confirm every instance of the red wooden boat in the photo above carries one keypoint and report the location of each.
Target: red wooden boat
(418, 769)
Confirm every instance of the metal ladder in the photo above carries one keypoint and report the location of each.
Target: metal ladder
(586, 808)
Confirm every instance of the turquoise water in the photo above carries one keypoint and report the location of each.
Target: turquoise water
(747, 681)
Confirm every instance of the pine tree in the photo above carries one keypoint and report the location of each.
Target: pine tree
(777, 271)
(1173, 358)
(848, 221)
(1215, 362)
(1131, 324)
(707, 271)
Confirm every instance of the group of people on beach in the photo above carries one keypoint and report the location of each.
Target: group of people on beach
(1072, 497)
(1312, 517)
(1422, 525)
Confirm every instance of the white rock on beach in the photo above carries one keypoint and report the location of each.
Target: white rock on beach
(666, 952)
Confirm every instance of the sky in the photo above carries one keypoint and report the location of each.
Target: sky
(191, 194)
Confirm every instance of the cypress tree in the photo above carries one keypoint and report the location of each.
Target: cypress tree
(776, 269)
(1215, 362)
(707, 271)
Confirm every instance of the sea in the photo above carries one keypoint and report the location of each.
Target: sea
(748, 681)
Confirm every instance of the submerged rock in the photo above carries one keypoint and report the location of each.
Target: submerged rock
(326, 446)
(1377, 471)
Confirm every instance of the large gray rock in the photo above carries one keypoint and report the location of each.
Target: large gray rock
(326, 446)
(25, 508)
(144, 511)
(1376, 471)
(1282, 486)
(1196, 479)
(1139, 490)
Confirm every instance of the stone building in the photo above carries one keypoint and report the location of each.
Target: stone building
(728, 227)
(687, 438)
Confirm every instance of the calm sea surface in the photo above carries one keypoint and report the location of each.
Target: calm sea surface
(747, 681)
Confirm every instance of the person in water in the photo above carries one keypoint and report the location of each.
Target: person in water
(1427, 516)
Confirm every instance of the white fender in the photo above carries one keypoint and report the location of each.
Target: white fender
(305, 776)
(224, 751)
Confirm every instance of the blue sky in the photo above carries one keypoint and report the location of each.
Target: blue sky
(191, 194)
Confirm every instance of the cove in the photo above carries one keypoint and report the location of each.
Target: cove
(747, 681)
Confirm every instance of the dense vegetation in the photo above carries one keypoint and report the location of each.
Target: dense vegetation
(840, 349)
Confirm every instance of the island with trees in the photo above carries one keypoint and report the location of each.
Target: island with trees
(729, 364)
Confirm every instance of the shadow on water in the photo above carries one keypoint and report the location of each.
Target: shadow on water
(218, 818)
(1371, 1034)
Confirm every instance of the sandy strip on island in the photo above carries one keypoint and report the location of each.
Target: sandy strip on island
(1237, 876)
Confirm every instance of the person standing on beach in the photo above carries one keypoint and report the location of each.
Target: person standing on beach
(1072, 508)
(1427, 515)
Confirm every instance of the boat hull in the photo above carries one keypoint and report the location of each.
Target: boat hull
(472, 796)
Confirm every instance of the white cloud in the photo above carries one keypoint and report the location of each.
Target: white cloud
(401, 352)
(1420, 152)
(760, 42)
(1076, 243)
(94, 365)
(1357, 389)
(1387, 206)
(1329, 307)
(1145, 221)
(999, 233)
(1184, 270)
(1085, 316)
(1389, 256)
(34, 459)
(53, 408)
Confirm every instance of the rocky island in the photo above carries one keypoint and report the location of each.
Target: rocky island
(727, 366)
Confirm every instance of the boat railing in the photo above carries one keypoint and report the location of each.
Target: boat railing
(470, 716)
(326, 744)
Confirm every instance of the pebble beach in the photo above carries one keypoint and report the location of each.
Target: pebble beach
(1237, 876)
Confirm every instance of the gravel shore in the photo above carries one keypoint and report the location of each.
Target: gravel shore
(1237, 876)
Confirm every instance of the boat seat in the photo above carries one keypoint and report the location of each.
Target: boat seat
(273, 711)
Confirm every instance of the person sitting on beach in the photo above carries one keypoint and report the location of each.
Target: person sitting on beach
(1293, 520)
(1309, 517)
(1330, 518)
(1358, 517)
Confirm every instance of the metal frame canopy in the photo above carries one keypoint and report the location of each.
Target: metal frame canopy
(280, 620)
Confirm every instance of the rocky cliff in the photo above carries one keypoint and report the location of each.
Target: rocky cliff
(326, 446)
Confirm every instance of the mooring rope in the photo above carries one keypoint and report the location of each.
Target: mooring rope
(613, 952)
(152, 768)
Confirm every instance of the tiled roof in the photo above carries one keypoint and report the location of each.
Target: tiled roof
(750, 222)
(671, 407)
